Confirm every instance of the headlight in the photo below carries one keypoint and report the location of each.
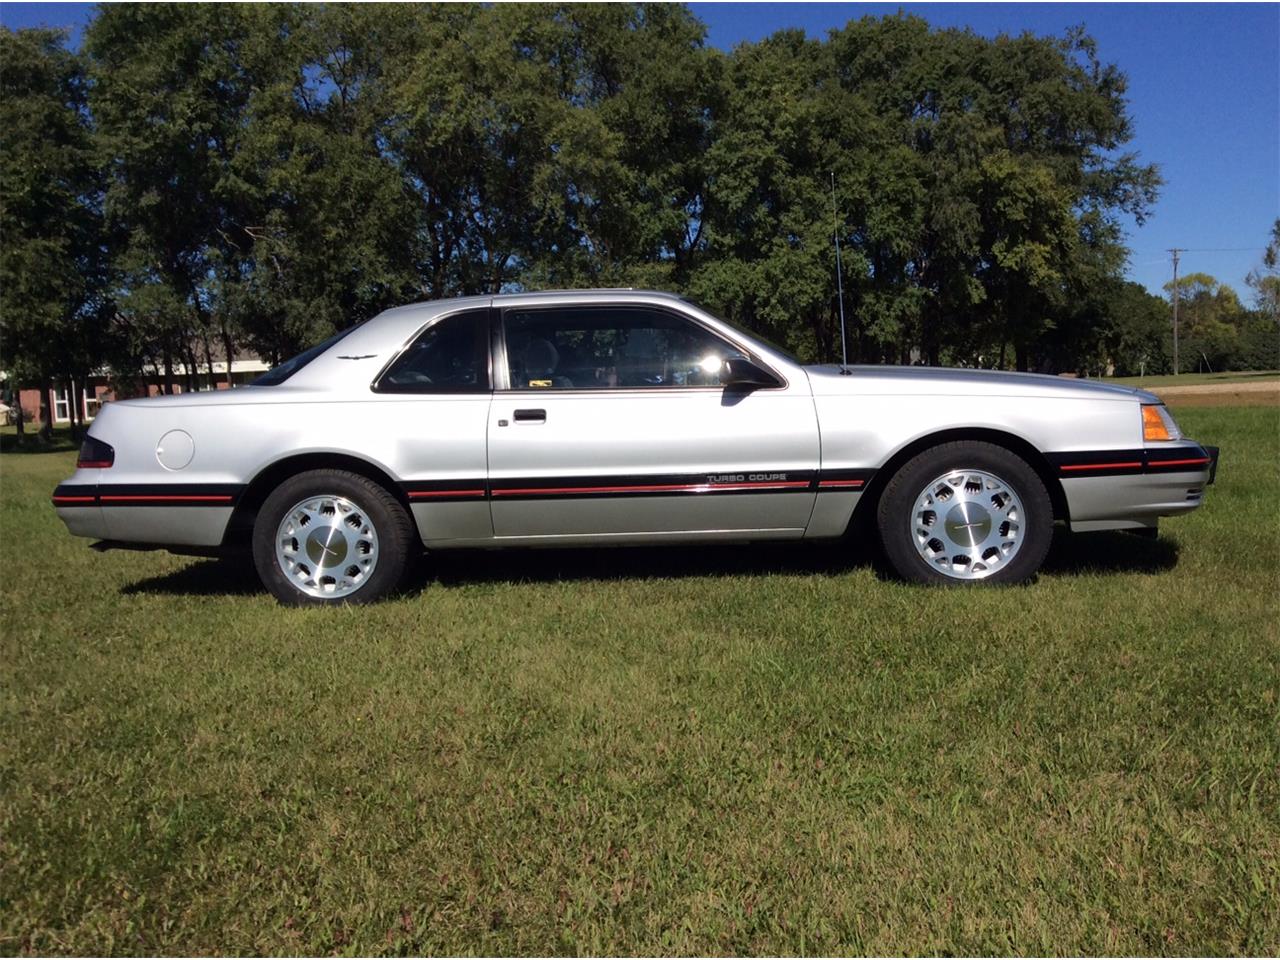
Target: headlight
(1158, 423)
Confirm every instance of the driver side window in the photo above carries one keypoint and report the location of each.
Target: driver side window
(450, 356)
(603, 348)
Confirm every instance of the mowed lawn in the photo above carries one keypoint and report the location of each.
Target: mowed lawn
(1193, 379)
(651, 751)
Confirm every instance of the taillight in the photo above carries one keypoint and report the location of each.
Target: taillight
(95, 455)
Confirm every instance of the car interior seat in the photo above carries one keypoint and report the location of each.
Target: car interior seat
(540, 360)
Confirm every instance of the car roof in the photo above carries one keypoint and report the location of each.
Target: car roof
(400, 323)
(382, 337)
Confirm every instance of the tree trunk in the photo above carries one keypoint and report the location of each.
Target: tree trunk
(229, 351)
(46, 411)
(73, 412)
(166, 385)
(818, 325)
(1020, 356)
(208, 362)
(189, 361)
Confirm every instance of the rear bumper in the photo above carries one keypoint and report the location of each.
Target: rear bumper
(150, 514)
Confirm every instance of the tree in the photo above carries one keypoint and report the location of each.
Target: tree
(473, 115)
(980, 185)
(650, 87)
(551, 145)
(1265, 281)
(767, 220)
(1210, 319)
(168, 92)
(1134, 328)
(274, 173)
(51, 264)
(330, 236)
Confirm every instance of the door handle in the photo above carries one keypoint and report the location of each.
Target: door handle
(530, 416)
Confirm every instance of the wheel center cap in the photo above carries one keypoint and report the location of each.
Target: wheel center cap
(327, 547)
(968, 524)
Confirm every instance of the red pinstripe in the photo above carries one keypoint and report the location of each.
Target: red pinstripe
(1102, 466)
(659, 488)
(187, 498)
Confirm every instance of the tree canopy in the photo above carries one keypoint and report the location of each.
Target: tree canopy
(199, 181)
(52, 260)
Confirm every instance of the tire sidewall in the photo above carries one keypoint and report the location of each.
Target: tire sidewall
(899, 499)
(382, 510)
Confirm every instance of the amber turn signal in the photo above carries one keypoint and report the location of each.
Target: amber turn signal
(1153, 424)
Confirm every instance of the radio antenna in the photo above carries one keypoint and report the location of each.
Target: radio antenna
(835, 223)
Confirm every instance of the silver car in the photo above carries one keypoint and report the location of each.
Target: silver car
(602, 417)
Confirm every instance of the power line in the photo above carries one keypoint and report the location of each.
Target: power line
(1219, 249)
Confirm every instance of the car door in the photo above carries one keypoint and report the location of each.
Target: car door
(610, 422)
(432, 412)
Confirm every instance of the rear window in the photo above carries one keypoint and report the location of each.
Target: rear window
(278, 375)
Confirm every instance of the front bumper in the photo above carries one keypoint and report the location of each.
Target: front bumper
(1133, 489)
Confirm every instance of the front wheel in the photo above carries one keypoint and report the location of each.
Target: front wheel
(330, 536)
(966, 512)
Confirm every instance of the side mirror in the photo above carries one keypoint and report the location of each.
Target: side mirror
(743, 373)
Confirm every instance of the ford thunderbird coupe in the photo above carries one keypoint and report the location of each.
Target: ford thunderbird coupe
(612, 416)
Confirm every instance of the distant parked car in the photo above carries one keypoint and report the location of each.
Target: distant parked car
(607, 417)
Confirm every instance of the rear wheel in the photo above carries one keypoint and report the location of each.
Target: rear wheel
(966, 512)
(331, 536)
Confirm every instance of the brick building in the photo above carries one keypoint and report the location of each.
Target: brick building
(101, 388)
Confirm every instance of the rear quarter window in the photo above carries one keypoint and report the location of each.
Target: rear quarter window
(279, 374)
(449, 356)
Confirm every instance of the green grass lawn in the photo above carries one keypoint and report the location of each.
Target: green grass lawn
(1195, 379)
(735, 750)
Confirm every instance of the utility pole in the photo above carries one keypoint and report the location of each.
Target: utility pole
(1175, 251)
(835, 222)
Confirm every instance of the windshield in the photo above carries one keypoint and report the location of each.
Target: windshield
(281, 373)
(783, 351)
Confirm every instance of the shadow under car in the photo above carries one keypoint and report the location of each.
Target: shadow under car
(1069, 555)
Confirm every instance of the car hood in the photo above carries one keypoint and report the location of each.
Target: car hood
(828, 379)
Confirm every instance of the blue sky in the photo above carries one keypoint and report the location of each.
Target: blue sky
(1204, 91)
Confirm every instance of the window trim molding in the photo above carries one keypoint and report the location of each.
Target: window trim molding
(500, 351)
